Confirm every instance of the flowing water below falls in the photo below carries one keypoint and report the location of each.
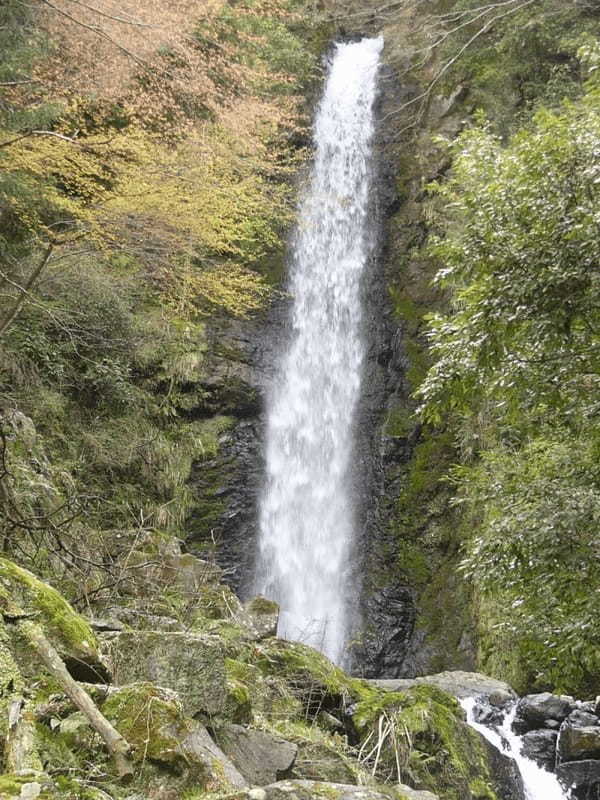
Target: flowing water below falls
(538, 783)
(306, 518)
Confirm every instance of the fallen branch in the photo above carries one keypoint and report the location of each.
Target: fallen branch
(117, 746)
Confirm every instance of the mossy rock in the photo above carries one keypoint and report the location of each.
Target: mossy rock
(190, 664)
(270, 697)
(310, 676)
(21, 592)
(151, 719)
(323, 790)
(430, 742)
(41, 787)
(323, 761)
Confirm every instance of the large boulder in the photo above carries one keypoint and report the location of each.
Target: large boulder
(259, 756)
(193, 665)
(457, 683)
(580, 776)
(540, 746)
(535, 709)
(22, 593)
(579, 744)
(152, 720)
(321, 790)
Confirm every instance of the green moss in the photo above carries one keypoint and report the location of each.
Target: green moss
(432, 744)
(20, 589)
(270, 697)
(150, 719)
(11, 785)
(399, 422)
(260, 605)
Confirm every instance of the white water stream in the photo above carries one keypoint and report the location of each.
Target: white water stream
(539, 784)
(306, 518)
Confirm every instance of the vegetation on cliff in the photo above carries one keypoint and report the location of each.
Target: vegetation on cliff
(515, 365)
(145, 157)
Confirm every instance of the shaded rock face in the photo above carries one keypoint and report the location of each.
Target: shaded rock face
(582, 777)
(540, 746)
(260, 757)
(190, 664)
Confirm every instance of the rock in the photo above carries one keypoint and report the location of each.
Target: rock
(190, 664)
(22, 592)
(307, 790)
(579, 744)
(579, 774)
(262, 616)
(106, 624)
(124, 617)
(597, 706)
(535, 709)
(507, 780)
(319, 761)
(328, 721)
(586, 705)
(552, 724)
(540, 746)
(582, 719)
(199, 745)
(501, 698)
(459, 684)
(488, 715)
(151, 718)
(259, 756)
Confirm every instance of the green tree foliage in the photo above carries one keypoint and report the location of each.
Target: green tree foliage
(517, 371)
(154, 161)
(521, 262)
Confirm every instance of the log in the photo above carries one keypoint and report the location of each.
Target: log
(116, 744)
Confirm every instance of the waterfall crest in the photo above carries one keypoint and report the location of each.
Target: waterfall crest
(306, 515)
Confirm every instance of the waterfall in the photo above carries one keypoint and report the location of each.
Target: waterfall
(538, 783)
(306, 510)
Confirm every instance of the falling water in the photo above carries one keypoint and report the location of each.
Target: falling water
(538, 783)
(306, 519)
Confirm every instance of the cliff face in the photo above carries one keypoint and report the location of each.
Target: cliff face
(417, 611)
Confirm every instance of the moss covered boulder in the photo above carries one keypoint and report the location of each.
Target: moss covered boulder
(22, 593)
(262, 617)
(39, 786)
(152, 720)
(316, 682)
(421, 737)
(193, 665)
(255, 694)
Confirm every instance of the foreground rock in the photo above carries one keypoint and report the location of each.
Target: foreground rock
(317, 790)
(535, 709)
(261, 757)
(579, 744)
(582, 777)
(190, 664)
(66, 630)
(459, 684)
